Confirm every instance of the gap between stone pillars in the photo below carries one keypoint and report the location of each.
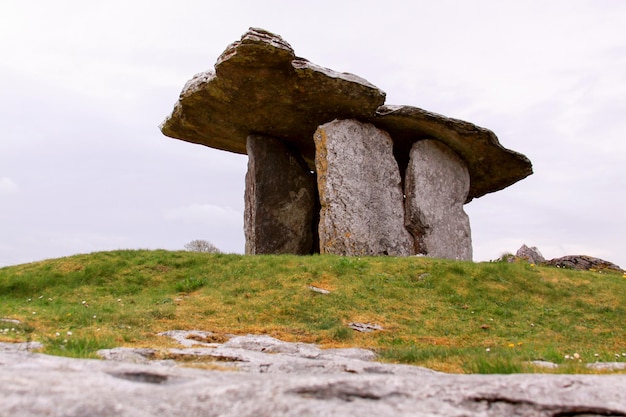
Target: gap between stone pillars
(281, 203)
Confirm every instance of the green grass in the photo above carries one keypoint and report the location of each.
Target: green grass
(447, 315)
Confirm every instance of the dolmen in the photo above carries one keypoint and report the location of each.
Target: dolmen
(331, 168)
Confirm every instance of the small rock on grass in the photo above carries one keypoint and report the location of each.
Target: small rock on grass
(319, 290)
(365, 327)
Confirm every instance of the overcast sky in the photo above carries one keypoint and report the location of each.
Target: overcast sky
(85, 84)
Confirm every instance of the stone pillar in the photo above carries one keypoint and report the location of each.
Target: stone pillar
(436, 186)
(360, 194)
(280, 199)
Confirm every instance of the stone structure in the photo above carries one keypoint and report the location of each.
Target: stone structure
(264, 101)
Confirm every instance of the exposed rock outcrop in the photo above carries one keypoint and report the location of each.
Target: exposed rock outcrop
(436, 187)
(583, 263)
(265, 354)
(530, 254)
(41, 385)
(578, 262)
(360, 192)
(260, 88)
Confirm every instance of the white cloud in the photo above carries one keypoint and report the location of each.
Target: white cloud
(7, 186)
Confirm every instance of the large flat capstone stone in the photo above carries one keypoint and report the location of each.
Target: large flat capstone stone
(360, 191)
(259, 86)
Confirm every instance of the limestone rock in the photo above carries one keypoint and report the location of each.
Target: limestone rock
(436, 187)
(39, 385)
(607, 366)
(130, 355)
(265, 354)
(280, 200)
(20, 347)
(583, 263)
(359, 189)
(260, 87)
(365, 327)
(491, 166)
(319, 290)
(189, 338)
(532, 254)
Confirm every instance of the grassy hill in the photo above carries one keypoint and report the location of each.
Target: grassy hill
(446, 315)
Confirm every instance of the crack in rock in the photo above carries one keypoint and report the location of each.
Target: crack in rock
(342, 390)
(512, 406)
(147, 377)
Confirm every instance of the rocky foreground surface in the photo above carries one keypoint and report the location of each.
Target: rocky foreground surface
(262, 376)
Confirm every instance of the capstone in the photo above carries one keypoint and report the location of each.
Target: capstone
(259, 86)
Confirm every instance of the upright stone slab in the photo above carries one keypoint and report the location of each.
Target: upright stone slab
(359, 188)
(436, 186)
(280, 200)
